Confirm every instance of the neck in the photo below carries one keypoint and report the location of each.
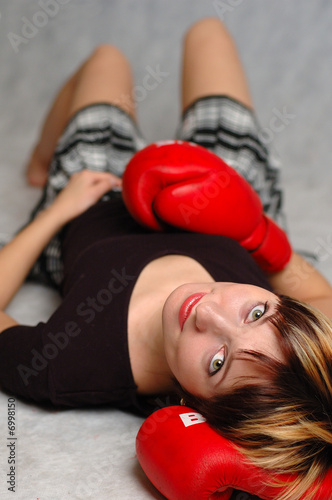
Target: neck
(160, 373)
(151, 371)
(156, 281)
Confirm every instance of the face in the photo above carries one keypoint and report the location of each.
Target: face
(206, 325)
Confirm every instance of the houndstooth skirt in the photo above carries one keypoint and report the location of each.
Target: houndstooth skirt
(102, 137)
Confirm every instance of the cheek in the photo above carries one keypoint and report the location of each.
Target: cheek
(187, 367)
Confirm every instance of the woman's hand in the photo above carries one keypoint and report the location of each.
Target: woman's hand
(18, 256)
(82, 191)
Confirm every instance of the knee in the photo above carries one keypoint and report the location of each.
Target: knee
(206, 29)
(105, 54)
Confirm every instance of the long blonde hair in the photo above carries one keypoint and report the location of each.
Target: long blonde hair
(283, 424)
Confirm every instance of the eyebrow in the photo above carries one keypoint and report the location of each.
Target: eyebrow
(267, 317)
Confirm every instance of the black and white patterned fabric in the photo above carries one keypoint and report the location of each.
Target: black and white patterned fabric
(231, 131)
(99, 137)
(103, 137)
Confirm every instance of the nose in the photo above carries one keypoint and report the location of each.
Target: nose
(210, 317)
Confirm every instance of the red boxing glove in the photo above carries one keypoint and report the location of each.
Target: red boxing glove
(187, 186)
(186, 459)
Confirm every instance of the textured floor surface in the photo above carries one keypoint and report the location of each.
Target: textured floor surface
(286, 49)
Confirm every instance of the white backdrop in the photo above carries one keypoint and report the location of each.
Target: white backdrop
(286, 48)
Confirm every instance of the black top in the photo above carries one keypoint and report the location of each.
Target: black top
(80, 357)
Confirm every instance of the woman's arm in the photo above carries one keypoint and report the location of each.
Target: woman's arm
(17, 257)
(301, 280)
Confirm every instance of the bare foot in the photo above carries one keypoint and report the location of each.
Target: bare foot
(37, 170)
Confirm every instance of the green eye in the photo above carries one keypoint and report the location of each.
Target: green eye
(217, 362)
(257, 312)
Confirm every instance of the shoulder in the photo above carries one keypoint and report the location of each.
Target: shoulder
(301, 280)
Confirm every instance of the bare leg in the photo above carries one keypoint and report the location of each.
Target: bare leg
(211, 65)
(104, 77)
(37, 168)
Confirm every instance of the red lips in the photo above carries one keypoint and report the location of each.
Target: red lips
(187, 306)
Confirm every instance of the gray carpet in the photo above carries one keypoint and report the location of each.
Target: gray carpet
(286, 48)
